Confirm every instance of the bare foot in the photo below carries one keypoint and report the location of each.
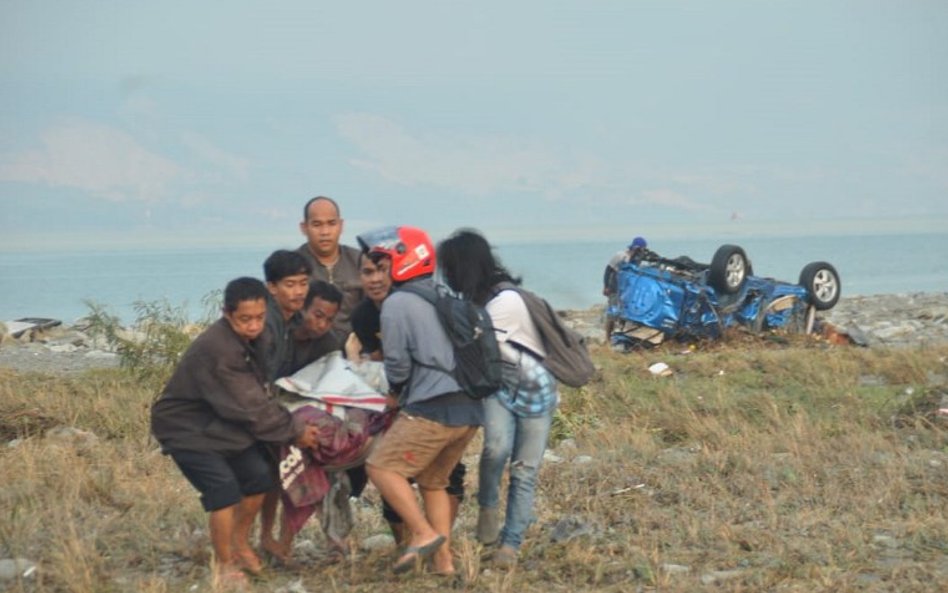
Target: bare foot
(248, 561)
(442, 562)
(228, 577)
(278, 551)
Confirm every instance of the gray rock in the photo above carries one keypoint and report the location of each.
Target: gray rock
(62, 348)
(675, 568)
(296, 586)
(570, 528)
(73, 434)
(720, 576)
(381, 541)
(551, 457)
(886, 541)
(12, 569)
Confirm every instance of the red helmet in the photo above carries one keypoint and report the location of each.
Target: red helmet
(410, 248)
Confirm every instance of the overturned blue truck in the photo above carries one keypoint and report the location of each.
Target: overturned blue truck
(661, 298)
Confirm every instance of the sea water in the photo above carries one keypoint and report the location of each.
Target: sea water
(58, 284)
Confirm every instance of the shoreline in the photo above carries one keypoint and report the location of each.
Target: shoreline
(886, 320)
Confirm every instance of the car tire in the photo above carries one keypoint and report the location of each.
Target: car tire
(822, 284)
(729, 269)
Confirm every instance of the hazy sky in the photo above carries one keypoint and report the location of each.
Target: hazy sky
(186, 121)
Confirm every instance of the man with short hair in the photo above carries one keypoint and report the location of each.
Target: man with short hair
(336, 264)
(287, 275)
(309, 340)
(313, 339)
(365, 342)
(213, 418)
(437, 419)
(366, 338)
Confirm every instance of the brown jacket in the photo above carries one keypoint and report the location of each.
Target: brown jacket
(217, 401)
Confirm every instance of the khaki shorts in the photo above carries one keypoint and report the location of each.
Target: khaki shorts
(415, 447)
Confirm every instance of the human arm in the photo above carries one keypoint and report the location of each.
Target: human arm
(228, 382)
(396, 342)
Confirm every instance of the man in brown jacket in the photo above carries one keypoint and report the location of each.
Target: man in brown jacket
(213, 417)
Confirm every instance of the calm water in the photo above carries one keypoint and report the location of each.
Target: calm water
(56, 284)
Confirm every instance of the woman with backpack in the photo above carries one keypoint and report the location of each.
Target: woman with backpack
(517, 418)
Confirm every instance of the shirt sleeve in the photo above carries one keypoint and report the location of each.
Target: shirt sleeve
(396, 344)
(232, 389)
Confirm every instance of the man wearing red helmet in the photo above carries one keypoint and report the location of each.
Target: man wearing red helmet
(436, 420)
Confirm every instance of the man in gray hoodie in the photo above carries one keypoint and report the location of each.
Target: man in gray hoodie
(436, 420)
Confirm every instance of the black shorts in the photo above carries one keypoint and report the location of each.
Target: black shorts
(224, 480)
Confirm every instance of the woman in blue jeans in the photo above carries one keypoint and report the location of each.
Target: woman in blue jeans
(517, 418)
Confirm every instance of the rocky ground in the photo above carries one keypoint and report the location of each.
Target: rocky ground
(898, 320)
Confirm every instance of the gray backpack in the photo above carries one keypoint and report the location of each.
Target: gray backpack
(566, 355)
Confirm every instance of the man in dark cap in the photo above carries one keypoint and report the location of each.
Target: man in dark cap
(610, 279)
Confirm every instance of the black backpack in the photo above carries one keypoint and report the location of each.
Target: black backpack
(477, 364)
(566, 354)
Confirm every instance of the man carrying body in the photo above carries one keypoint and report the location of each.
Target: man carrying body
(332, 262)
(213, 417)
(290, 345)
(436, 420)
(610, 279)
(287, 275)
(365, 342)
(310, 339)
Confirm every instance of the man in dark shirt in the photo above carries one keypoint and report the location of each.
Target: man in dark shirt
(213, 417)
(310, 339)
(336, 264)
(366, 338)
(287, 275)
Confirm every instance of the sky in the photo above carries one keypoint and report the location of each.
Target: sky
(213, 122)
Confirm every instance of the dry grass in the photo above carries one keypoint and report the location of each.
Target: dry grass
(760, 465)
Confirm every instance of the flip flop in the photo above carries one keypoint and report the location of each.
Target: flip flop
(413, 554)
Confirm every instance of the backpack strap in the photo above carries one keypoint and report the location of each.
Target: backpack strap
(431, 296)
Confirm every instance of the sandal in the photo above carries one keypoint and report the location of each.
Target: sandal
(414, 554)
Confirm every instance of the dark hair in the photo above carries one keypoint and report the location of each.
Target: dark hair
(283, 263)
(243, 289)
(316, 199)
(373, 256)
(469, 266)
(320, 289)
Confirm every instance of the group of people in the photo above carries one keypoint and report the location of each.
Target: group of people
(219, 421)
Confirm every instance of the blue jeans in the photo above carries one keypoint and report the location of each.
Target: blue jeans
(522, 440)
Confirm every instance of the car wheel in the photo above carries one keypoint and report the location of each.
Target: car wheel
(822, 283)
(729, 269)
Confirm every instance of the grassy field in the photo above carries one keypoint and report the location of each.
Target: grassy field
(759, 465)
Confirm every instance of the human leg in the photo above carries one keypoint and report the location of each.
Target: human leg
(434, 483)
(455, 489)
(530, 440)
(499, 425)
(254, 474)
(244, 516)
(438, 513)
(212, 476)
(419, 534)
(281, 547)
(408, 446)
